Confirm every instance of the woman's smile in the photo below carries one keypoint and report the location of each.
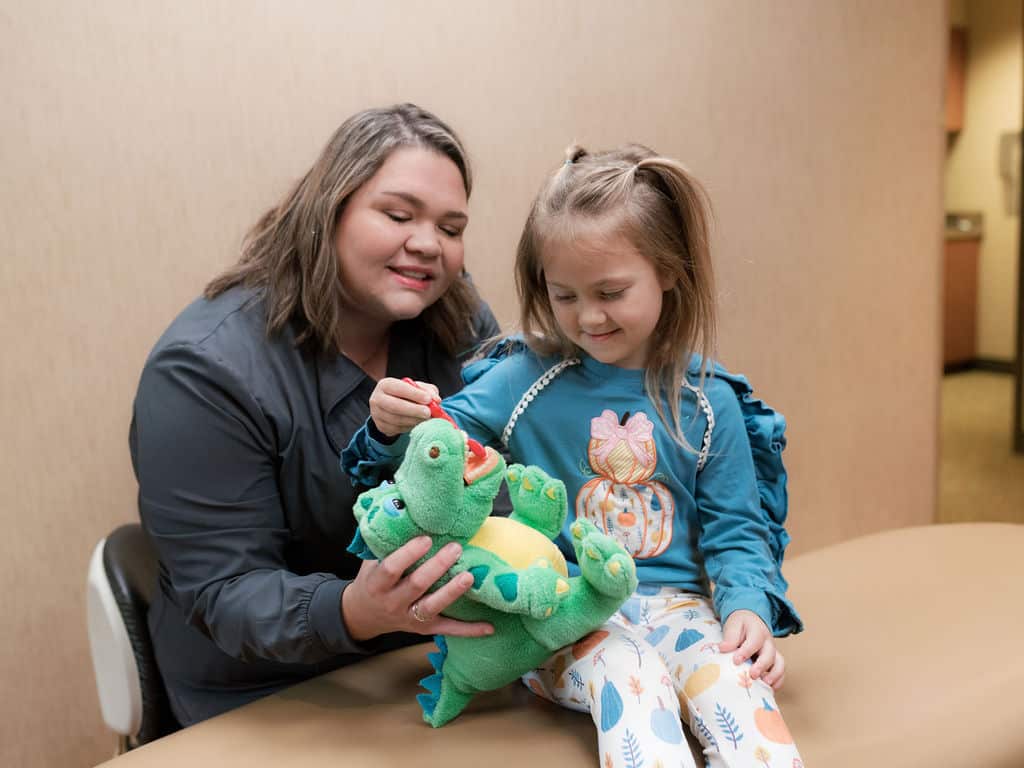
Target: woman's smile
(416, 279)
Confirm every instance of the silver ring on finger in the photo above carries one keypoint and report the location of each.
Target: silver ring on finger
(417, 614)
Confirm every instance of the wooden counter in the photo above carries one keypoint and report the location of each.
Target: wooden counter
(960, 300)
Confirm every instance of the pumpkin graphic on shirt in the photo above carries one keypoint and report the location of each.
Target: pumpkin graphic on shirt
(622, 500)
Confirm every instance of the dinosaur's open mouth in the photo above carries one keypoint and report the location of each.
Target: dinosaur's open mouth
(480, 461)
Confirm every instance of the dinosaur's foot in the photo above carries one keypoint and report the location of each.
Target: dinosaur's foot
(604, 564)
(543, 590)
(538, 500)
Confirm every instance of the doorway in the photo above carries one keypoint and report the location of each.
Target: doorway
(981, 473)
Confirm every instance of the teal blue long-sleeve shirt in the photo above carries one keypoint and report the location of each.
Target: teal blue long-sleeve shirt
(594, 427)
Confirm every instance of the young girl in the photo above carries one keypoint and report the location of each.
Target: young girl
(615, 283)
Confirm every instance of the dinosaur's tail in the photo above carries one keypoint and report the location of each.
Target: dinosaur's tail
(443, 700)
(432, 683)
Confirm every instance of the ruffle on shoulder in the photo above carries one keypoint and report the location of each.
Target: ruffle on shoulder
(766, 431)
(501, 349)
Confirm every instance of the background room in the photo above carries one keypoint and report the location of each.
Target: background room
(982, 437)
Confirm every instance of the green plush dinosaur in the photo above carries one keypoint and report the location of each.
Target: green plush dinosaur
(520, 579)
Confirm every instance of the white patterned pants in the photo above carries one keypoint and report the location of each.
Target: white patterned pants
(658, 656)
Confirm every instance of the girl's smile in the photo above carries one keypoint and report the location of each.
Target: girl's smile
(600, 336)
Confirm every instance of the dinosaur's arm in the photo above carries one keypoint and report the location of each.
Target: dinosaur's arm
(536, 591)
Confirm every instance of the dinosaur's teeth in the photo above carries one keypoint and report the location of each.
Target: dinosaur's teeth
(479, 464)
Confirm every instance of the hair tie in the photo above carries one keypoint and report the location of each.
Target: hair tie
(575, 153)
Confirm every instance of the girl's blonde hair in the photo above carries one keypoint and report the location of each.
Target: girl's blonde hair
(289, 253)
(664, 212)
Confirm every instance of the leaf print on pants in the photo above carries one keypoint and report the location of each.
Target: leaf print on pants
(631, 750)
(728, 725)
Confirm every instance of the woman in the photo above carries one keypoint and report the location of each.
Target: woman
(248, 398)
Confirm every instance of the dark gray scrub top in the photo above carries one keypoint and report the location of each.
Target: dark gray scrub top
(235, 441)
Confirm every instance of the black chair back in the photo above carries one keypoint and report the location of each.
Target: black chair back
(130, 563)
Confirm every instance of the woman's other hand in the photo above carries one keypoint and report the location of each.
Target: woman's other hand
(747, 634)
(382, 598)
(396, 406)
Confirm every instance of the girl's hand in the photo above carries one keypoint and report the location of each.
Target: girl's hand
(397, 406)
(747, 634)
(381, 599)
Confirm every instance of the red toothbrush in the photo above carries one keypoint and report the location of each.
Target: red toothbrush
(437, 412)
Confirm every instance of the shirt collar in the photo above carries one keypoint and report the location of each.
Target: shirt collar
(338, 376)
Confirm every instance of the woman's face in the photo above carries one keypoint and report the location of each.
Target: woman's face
(399, 237)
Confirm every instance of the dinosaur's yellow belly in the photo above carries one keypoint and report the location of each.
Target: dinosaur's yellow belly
(518, 545)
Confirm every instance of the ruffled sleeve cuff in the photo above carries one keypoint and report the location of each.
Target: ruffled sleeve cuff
(367, 459)
(775, 609)
(785, 619)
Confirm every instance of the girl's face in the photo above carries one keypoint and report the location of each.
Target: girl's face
(399, 238)
(606, 297)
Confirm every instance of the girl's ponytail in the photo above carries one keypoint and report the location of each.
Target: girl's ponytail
(692, 207)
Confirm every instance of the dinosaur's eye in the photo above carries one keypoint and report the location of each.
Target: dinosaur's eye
(386, 483)
(434, 451)
(393, 507)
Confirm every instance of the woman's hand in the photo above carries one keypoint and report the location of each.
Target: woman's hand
(397, 406)
(748, 635)
(381, 599)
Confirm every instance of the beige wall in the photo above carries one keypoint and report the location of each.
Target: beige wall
(957, 13)
(139, 140)
(992, 106)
